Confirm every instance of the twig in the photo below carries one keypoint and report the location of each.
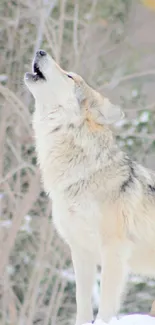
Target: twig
(61, 28)
(115, 83)
(75, 28)
(23, 209)
(43, 18)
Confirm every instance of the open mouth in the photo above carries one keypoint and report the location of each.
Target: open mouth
(37, 74)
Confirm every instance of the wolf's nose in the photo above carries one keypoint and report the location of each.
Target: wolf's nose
(41, 53)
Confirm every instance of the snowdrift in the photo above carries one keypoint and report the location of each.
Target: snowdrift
(129, 320)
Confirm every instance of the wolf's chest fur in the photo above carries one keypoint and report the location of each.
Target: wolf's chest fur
(94, 187)
(80, 177)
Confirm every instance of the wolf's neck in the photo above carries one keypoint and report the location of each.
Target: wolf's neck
(67, 152)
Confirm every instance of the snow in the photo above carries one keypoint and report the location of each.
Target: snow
(134, 93)
(6, 223)
(27, 224)
(144, 117)
(128, 320)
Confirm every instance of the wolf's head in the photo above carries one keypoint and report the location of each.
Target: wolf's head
(56, 89)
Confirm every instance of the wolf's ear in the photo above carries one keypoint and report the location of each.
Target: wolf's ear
(109, 113)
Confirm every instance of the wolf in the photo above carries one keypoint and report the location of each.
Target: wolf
(103, 203)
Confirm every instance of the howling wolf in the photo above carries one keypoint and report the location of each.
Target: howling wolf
(103, 202)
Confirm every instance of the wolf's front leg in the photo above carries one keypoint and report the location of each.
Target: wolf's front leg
(113, 278)
(85, 267)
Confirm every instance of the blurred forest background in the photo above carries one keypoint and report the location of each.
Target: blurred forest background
(111, 43)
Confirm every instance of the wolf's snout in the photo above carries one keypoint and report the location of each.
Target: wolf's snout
(40, 53)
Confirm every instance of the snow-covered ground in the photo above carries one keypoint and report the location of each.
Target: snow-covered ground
(129, 320)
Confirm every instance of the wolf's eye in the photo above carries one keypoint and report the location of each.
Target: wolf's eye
(69, 76)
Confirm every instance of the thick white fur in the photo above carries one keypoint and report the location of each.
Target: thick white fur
(103, 203)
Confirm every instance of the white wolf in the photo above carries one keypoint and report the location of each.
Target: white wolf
(103, 202)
